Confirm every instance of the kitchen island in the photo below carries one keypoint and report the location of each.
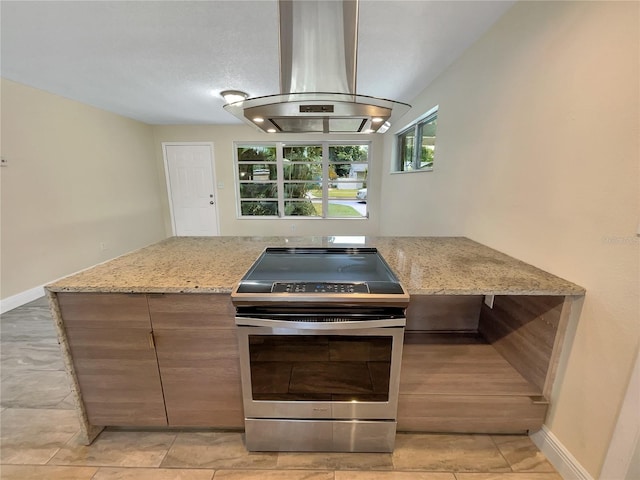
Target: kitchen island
(149, 337)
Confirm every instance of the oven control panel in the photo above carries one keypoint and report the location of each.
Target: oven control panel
(319, 287)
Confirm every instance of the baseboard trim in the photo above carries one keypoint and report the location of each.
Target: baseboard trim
(558, 455)
(21, 298)
(34, 293)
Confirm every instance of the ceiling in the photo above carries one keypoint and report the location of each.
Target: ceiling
(165, 62)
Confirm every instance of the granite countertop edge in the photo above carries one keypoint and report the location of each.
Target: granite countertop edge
(225, 290)
(424, 265)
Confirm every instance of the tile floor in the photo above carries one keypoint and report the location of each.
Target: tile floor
(38, 430)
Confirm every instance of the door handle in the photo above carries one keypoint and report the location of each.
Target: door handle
(211, 202)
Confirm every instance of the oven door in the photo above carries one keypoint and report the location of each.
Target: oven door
(335, 370)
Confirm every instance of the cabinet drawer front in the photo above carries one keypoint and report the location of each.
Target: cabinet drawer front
(191, 311)
(104, 310)
(470, 413)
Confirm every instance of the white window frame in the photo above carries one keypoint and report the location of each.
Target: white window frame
(280, 181)
(416, 127)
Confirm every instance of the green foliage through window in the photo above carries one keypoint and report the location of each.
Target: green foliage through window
(416, 144)
(310, 180)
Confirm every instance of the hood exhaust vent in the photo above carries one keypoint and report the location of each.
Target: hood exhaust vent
(318, 54)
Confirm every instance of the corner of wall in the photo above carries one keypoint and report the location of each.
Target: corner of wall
(559, 456)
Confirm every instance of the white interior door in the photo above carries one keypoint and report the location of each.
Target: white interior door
(191, 185)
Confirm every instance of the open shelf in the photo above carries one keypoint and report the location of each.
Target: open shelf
(457, 382)
(458, 364)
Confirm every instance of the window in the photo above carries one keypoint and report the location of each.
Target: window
(416, 144)
(321, 179)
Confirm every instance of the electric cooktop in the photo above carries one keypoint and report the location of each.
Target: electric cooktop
(331, 274)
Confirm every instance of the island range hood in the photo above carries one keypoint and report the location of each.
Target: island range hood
(318, 54)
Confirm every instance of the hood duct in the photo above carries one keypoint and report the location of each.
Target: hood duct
(318, 57)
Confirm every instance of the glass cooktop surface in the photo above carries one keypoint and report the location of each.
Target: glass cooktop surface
(320, 270)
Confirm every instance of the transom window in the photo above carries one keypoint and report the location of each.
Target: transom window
(416, 144)
(321, 179)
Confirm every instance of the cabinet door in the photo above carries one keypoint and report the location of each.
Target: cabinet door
(198, 356)
(114, 358)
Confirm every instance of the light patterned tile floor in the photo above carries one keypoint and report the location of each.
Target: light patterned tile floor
(38, 429)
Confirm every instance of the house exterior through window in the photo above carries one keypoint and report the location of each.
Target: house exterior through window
(302, 179)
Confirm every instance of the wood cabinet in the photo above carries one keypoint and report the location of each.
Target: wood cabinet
(490, 372)
(172, 359)
(198, 357)
(114, 359)
(152, 360)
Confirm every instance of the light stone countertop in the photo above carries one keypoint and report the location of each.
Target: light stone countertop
(424, 265)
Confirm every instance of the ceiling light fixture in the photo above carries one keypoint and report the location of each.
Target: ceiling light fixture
(385, 126)
(233, 96)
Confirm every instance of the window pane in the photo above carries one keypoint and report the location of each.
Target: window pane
(416, 144)
(308, 181)
(302, 171)
(259, 190)
(354, 172)
(348, 170)
(262, 208)
(303, 153)
(405, 150)
(348, 153)
(257, 180)
(257, 172)
(304, 208)
(426, 156)
(300, 190)
(428, 143)
(256, 153)
(346, 208)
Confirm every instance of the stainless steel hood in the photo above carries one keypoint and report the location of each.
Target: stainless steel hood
(318, 56)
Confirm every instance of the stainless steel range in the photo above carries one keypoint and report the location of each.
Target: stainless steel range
(320, 333)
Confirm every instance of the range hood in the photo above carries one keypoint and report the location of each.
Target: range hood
(318, 53)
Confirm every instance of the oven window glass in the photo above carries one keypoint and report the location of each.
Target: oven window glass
(320, 367)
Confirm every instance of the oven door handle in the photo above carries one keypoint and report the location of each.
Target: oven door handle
(332, 325)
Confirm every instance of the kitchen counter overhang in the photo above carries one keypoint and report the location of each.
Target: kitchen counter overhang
(424, 265)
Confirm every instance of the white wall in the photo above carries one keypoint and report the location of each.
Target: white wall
(537, 155)
(223, 137)
(76, 177)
